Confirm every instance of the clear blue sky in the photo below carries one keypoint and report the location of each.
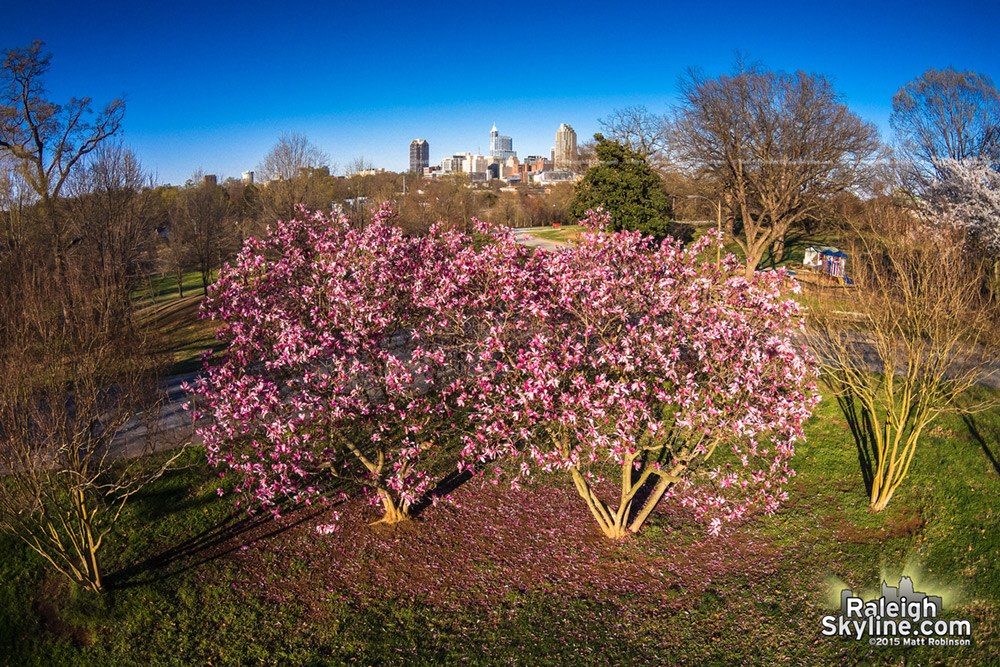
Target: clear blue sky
(211, 85)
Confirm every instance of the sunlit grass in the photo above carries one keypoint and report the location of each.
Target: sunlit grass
(180, 334)
(523, 577)
(558, 234)
(162, 288)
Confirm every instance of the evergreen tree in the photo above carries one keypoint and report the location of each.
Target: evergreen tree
(627, 187)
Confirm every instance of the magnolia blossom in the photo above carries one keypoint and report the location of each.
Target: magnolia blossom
(653, 358)
(348, 358)
(361, 356)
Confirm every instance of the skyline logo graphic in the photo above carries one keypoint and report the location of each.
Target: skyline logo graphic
(900, 616)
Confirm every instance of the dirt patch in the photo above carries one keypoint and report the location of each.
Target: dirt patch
(901, 525)
(51, 596)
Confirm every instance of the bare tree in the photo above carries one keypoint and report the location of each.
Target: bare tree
(947, 115)
(289, 156)
(921, 336)
(48, 139)
(70, 384)
(294, 172)
(173, 254)
(645, 133)
(445, 200)
(359, 164)
(17, 202)
(586, 156)
(201, 226)
(75, 363)
(507, 210)
(111, 213)
(244, 198)
(778, 144)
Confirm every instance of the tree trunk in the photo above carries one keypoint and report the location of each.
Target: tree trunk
(55, 230)
(778, 250)
(88, 546)
(662, 486)
(881, 495)
(395, 510)
(612, 525)
(754, 251)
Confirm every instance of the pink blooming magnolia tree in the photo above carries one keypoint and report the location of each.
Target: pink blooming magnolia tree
(349, 357)
(363, 355)
(656, 360)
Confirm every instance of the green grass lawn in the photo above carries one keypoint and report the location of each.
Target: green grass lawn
(523, 578)
(162, 288)
(819, 291)
(181, 335)
(796, 243)
(559, 234)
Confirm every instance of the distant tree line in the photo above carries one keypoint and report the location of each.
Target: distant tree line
(777, 154)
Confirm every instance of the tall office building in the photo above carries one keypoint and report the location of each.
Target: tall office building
(420, 155)
(452, 163)
(501, 147)
(565, 157)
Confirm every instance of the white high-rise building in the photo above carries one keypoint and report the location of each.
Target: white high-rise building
(565, 153)
(500, 146)
(473, 164)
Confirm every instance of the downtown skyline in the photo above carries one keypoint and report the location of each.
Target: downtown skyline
(211, 88)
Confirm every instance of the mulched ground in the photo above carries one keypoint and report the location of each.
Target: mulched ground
(485, 544)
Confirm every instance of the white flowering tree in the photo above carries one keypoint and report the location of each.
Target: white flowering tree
(967, 194)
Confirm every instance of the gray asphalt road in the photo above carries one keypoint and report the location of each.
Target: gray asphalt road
(174, 428)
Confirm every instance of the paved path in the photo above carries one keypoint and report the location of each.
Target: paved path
(865, 352)
(175, 428)
(523, 236)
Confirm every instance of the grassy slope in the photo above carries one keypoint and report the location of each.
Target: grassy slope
(195, 584)
(163, 288)
(795, 246)
(182, 336)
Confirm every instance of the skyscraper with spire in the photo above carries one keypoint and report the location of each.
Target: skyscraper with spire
(501, 147)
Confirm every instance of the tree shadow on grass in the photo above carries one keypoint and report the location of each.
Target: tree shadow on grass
(448, 484)
(970, 423)
(213, 543)
(862, 430)
(157, 504)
